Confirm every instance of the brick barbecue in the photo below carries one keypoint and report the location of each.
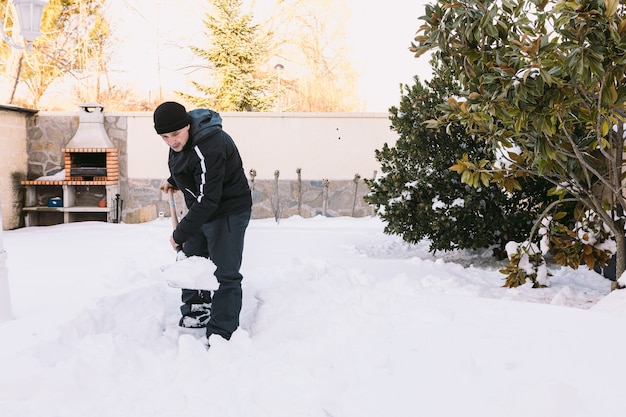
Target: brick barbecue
(90, 158)
(91, 174)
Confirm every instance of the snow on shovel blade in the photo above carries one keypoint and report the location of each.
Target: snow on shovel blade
(193, 273)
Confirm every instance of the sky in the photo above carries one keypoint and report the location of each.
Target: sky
(153, 55)
(338, 320)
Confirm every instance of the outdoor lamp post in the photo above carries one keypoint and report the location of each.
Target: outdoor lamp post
(279, 68)
(29, 21)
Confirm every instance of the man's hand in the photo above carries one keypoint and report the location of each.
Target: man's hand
(166, 186)
(175, 245)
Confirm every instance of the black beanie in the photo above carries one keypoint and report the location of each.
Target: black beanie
(169, 117)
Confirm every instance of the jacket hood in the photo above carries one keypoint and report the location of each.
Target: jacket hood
(204, 122)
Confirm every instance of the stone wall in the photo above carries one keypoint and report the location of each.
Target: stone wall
(270, 199)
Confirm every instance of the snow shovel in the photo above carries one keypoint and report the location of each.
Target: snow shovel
(180, 255)
(192, 273)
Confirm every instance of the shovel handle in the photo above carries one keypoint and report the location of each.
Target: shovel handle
(173, 215)
(172, 202)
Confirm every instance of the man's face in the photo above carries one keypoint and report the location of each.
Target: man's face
(178, 139)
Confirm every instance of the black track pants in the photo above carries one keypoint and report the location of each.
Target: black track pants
(220, 240)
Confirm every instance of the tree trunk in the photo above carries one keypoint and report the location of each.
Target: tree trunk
(12, 74)
(620, 259)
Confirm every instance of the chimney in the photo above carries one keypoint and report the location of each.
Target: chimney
(91, 132)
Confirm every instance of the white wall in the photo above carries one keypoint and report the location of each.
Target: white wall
(335, 146)
(147, 153)
(14, 158)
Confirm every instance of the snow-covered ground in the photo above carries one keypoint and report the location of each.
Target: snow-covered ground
(339, 320)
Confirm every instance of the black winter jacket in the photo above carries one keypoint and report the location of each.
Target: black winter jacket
(209, 172)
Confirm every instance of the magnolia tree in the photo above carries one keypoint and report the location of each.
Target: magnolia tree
(544, 81)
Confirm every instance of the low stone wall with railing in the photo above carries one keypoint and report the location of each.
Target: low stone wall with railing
(280, 199)
(276, 199)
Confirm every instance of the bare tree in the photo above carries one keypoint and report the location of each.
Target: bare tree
(307, 38)
(74, 35)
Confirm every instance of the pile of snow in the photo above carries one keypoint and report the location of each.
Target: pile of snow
(192, 272)
(58, 176)
(338, 320)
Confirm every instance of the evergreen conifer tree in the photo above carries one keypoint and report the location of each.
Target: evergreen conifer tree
(419, 197)
(233, 57)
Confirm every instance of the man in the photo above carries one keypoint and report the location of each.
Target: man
(205, 165)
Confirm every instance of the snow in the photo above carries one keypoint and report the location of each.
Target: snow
(193, 272)
(59, 176)
(339, 319)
